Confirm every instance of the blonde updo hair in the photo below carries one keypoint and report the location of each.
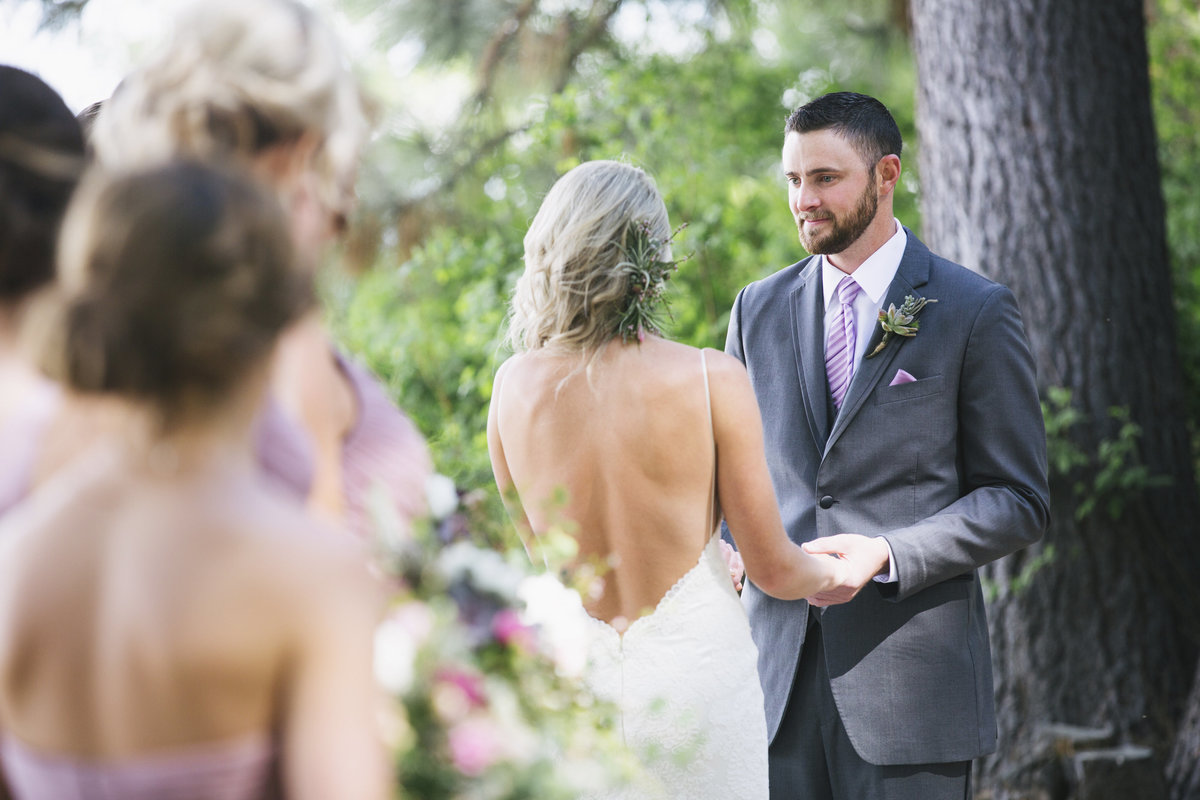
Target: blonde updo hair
(174, 285)
(235, 78)
(574, 289)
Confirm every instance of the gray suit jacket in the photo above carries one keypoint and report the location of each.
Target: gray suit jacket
(950, 469)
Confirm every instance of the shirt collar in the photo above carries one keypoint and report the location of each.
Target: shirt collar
(873, 275)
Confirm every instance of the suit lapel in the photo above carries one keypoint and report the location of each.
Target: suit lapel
(808, 343)
(912, 273)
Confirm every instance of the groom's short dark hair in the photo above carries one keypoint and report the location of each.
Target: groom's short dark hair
(862, 119)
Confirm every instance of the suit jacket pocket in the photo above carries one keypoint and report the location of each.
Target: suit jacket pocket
(907, 391)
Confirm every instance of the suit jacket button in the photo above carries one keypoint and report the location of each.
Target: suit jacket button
(826, 502)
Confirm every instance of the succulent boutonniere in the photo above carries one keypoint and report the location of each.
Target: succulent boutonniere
(900, 321)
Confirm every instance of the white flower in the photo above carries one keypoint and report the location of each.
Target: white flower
(520, 743)
(441, 495)
(415, 617)
(486, 569)
(559, 615)
(391, 530)
(395, 656)
(397, 640)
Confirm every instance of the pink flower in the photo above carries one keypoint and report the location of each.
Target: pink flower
(475, 744)
(416, 618)
(470, 683)
(509, 630)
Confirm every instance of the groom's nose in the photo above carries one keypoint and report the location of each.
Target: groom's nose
(804, 199)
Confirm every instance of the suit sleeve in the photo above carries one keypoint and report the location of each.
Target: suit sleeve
(733, 346)
(733, 336)
(1002, 461)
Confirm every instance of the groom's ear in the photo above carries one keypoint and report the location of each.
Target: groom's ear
(887, 172)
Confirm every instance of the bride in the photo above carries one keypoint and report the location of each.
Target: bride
(638, 445)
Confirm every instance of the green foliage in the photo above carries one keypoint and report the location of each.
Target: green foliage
(1119, 476)
(1107, 480)
(1024, 578)
(1042, 558)
(430, 329)
(1063, 455)
(446, 29)
(58, 13)
(1174, 40)
(707, 124)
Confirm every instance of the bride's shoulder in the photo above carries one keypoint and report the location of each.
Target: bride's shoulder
(512, 365)
(518, 367)
(722, 366)
(529, 375)
(729, 386)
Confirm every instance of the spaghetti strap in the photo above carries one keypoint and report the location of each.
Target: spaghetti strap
(712, 491)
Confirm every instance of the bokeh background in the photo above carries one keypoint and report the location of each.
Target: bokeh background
(1050, 144)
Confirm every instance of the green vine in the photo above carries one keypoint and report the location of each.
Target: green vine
(1117, 475)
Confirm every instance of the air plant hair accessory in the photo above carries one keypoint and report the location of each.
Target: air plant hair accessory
(648, 275)
(900, 321)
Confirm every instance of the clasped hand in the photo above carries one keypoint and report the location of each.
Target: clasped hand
(864, 557)
(733, 560)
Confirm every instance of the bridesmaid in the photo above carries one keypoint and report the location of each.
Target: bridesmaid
(263, 85)
(169, 625)
(41, 158)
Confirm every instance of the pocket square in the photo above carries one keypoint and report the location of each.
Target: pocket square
(901, 377)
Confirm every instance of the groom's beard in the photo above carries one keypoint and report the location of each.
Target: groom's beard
(843, 232)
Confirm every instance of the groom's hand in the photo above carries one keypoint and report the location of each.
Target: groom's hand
(865, 557)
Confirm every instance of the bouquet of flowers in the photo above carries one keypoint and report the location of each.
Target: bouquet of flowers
(481, 659)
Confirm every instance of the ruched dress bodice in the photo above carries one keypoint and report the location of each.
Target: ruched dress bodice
(383, 456)
(241, 769)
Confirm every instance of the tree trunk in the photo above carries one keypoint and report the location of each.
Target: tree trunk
(1039, 169)
(1183, 771)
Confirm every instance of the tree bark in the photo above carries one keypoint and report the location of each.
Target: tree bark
(1183, 770)
(1039, 169)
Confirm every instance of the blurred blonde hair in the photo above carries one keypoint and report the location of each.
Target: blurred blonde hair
(235, 78)
(574, 289)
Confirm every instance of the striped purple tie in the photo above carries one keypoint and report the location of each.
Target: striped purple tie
(839, 350)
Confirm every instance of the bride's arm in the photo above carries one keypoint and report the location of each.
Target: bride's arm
(775, 564)
(504, 481)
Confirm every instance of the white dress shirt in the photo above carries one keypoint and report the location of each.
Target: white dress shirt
(873, 276)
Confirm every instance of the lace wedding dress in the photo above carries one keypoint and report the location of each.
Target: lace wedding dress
(686, 683)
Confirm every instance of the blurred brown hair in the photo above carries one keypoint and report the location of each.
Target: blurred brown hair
(175, 284)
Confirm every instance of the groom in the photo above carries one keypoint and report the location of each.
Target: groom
(912, 447)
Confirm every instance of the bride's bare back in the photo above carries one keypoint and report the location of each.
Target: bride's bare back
(623, 453)
(625, 458)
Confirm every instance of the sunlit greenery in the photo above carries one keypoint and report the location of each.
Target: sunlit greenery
(483, 103)
(1175, 72)
(702, 112)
